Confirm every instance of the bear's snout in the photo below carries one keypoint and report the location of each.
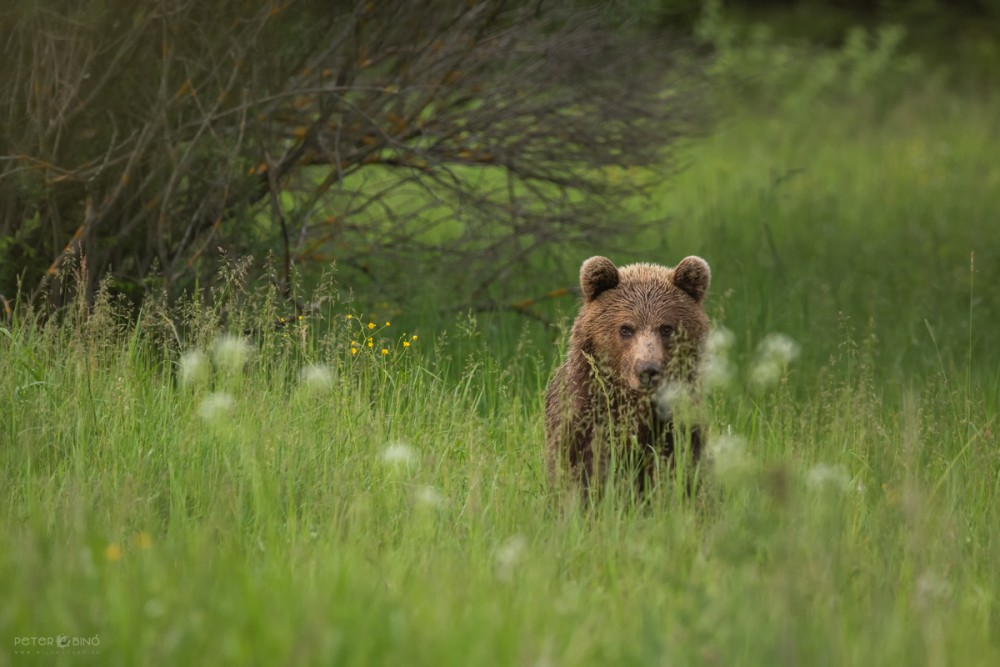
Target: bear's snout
(648, 373)
(648, 364)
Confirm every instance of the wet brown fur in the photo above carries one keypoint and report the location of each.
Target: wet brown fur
(598, 395)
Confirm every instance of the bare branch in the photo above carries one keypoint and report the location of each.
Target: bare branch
(480, 134)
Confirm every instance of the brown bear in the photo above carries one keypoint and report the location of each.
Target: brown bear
(638, 337)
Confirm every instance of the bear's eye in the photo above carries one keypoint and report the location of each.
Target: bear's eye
(626, 331)
(666, 331)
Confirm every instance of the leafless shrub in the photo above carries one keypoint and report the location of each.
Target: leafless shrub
(471, 136)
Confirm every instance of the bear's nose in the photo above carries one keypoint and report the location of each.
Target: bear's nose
(648, 374)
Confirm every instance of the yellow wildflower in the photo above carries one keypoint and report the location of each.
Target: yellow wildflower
(371, 325)
(371, 344)
(386, 324)
(413, 337)
(113, 552)
(406, 343)
(384, 351)
(143, 540)
(350, 317)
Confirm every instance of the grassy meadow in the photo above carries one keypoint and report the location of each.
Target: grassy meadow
(176, 493)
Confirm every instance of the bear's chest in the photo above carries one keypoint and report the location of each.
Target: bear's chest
(631, 422)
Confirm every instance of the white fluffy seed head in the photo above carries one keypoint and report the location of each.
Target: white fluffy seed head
(429, 496)
(716, 370)
(215, 405)
(932, 589)
(316, 377)
(728, 454)
(398, 454)
(779, 347)
(720, 341)
(194, 368)
(230, 353)
(674, 399)
(509, 555)
(774, 354)
(822, 476)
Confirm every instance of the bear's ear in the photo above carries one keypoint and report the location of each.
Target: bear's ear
(693, 276)
(598, 274)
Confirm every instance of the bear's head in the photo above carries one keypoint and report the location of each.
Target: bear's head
(643, 323)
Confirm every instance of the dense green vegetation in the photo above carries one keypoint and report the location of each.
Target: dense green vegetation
(294, 496)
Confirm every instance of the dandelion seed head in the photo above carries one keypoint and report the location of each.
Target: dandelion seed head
(823, 475)
(230, 353)
(779, 347)
(429, 496)
(715, 369)
(316, 377)
(728, 454)
(672, 398)
(720, 340)
(215, 405)
(774, 354)
(932, 589)
(194, 368)
(399, 454)
(509, 555)
(765, 374)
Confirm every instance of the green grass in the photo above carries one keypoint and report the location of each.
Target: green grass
(395, 511)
